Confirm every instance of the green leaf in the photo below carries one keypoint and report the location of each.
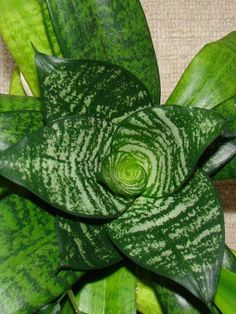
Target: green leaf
(88, 88)
(59, 164)
(16, 87)
(211, 76)
(111, 291)
(229, 260)
(30, 273)
(225, 154)
(85, 244)
(225, 297)
(166, 235)
(13, 103)
(113, 31)
(21, 24)
(50, 30)
(14, 125)
(155, 150)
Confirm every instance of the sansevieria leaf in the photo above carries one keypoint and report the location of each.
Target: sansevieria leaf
(21, 24)
(85, 244)
(16, 87)
(113, 30)
(60, 164)
(30, 273)
(13, 103)
(211, 76)
(156, 149)
(90, 88)
(109, 291)
(165, 235)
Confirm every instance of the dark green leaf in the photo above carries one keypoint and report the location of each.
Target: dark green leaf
(229, 260)
(113, 30)
(85, 244)
(225, 153)
(89, 88)
(211, 76)
(59, 164)
(166, 235)
(29, 257)
(13, 103)
(156, 149)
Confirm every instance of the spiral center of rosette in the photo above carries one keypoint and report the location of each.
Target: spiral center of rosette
(123, 174)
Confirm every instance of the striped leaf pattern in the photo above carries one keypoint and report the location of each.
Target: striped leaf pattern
(162, 142)
(59, 164)
(30, 262)
(85, 244)
(13, 103)
(166, 235)
(113, 30)
(91, 88)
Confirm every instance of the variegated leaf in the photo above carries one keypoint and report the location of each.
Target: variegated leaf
(92, 88)
(30, 273)
(84, 244)
(59, 164)
(180, 237)
(156, 149)
(113, 30)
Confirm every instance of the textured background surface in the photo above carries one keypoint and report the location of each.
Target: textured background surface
(179, 29)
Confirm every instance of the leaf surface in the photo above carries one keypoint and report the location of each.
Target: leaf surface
(29, 268)
(16, 87)
(113, 30)
(91, 88)
(85, 244)
(13, 103)
(211, 76)
(155, 150)
(21, 24)
(166, 235)
(59, 164)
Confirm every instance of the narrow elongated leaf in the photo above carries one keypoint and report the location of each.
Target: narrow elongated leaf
(113, 30)
(21, 24)
(108, 292)
(29, 256)
(88, 88)
(85, 244)
(156, 149)
(211, 76)
(60, 163)
(13, 103)
(229, 260)
(166, 235)
(50, 30)
(16, 87)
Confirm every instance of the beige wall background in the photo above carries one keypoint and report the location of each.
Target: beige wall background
(179, 28)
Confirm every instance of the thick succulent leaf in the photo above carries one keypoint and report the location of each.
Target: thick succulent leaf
(14, 125)
(49, 29)
(228, 110)
(59, 164)
(211, 76)
(113, 30)
(166, 235)
(13, 103)
(88, 87)
(21, 24)
(111, 291)
(225, 297)
(30, 262)
(224, 154)
(229, 260)
(161, 145)
(16, 87)
(85, 245)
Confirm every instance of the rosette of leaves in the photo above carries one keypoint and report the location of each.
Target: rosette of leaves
(117, 174)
